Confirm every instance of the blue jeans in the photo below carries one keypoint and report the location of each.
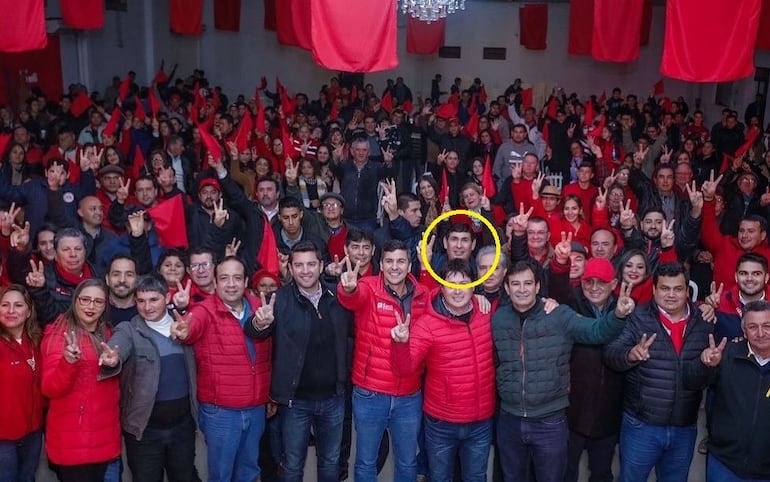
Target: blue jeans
(373, 413)
(521, 441)
(19, 458)
(325, 417)
(445, 440)
(716, 471)
(643, 446)
(232, 441)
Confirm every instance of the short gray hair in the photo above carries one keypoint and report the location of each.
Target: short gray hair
(490, 249)
(68, 233)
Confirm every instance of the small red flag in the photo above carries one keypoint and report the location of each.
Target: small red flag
(288, 146)
(602, 98)
(553, 106)
(546, 131)
(154, 102)
(387, 102)
(407, 106)
(445, 111)
(4, 140)
(267, 257)
(287, 105)
(472, 128)
(212, 146)
(443, 194)
(80, 104)
(354, 93)
(454, 99)
(335, 113)
(168, 219)
(751, 136)
(125, 84)
(139, 161)
(597, 131)
(160, 77)
(260, 123)
(243, 138)
(139, 112)
(487, 181)
(658, 89)
(483, 94)
(590, 115)
(526, 98)
(112, 124)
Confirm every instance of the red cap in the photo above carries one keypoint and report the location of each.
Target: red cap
(453, 120)
(210, 181)
(599, 268)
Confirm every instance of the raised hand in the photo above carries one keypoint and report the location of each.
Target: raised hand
(667, 236)
(428, 251)
(537, 183)
(72, 351)
(610, 180)
(640, 155)
(446, 207)
(232, 148)
(233, 247)
(563, 248)
(180, 327)
(441, 158)
(709, 188)
(764, 200)
(264, 315)
(349, 278)
(641, 351)
(387, 155)
(136, 224)
(715, 297)
(521, 219)
(20, 237)
(291, 173)
(216, 164)
(109, 357)
(95, 157)
(601, 199)
(485, 204)
(36, 277)
(220, 213)
(389, 199)
(335, 267)
(123, 190)
(627, 216)
(696, 198)
(625, 304)
(712, 355)
(571, 130)
(400, 332)
(7, 219)
(665, 157)
(181, 298)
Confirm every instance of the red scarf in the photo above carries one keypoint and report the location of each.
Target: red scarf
(73, 279)
(676, 329)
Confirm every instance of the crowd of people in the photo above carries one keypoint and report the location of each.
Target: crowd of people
(289, 300)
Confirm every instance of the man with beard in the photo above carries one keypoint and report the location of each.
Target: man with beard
(209, 224)
(121, 281)
(751, 279)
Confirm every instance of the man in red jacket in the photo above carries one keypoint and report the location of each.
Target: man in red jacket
(233, 372)
(453, 339)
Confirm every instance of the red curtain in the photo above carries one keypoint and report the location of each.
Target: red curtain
(360, 39)
(186, 16)
(43, 69)
(83, 14)
(763, 34)
(22, 25)
(293, 22)
(644, 34)
(269, 22)
(227, 15)
(423, 38)
(533, 26)
(581, 25)
(616, 31)
(716, 45)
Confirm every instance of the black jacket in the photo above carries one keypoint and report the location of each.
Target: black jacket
(203, 233)
(359, 188)
(667, 388)
(291, 330)
(253, 222)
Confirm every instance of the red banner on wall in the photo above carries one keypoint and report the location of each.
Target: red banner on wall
(581, 25)
(763, 34)
(644, 34)
(22, 25)
(423, 38)
(293, 22)
(186, 16)
(227, 15)
(21, 71)
(83, 14)
(269, 22)
(533, 23)
(613, 40)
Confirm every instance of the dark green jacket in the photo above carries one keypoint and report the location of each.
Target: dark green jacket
(532, 360)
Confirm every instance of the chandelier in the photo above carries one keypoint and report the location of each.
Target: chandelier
(431, 10)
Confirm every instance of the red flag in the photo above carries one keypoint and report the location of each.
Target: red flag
(751, 136)
(112, 124)
(354, 93)
(644, 33)
(293, 22)
(125, 85)
(186, 16)
(763, 34)
(483, 94)
(260, 123)
(154, 102)
(443, 193)
(526, 98)
(387, 102)
(597, 131)
(267, 257)
(602, 98)
(227, 15)
(160, 77)
(581, 26)
(487, 181)
(658, 88)
(454, 100)
(243, 137)
(4, 140)
(80, 104)
(472, 128)
(590, 114)
(407, 106)
(212, 146)
(198, 103)
(533, 26)
(270, 20)
(553, 107)
(139, 111)
(615, 41)
(262, 83)
(22, 25)
(473, 104)
(287, 105)
(168, 220)
(288, 145)
(445, 111)
(335, 112)
(139, 161)
(360, 39)
(691, 51)
(665, 103)
(546, 131)
(424, 38)
(83, 14)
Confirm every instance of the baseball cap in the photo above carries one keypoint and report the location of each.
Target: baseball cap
(600, 269)
(210, 181)
(111, 169)
(577, 247)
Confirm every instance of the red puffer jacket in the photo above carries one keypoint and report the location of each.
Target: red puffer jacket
(21, 408)
(226, 375)
(460, 375)
(83, 423)
(374, 310)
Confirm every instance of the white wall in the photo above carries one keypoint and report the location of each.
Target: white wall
(140, 38)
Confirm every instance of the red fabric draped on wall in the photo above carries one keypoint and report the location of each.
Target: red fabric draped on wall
(269, 22)
(83, 14)
(763, 34)
(533, 26)
(186, 16)
(581, 25)
(46, 63)
(360, 39)
(644, 34)
(227, 15)
(293, 22)
(22, 25)
(423, 38)
(616, 31)
(716, 45)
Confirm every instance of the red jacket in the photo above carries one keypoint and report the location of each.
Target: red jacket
(21, 402)
(226, 375)
(460, 371)
(83, 422)
(374, 309)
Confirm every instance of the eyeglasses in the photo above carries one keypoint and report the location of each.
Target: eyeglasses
(331, 205)
(201, 266)
(86, 301)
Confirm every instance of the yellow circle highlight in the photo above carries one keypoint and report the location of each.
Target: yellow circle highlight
(424, 250)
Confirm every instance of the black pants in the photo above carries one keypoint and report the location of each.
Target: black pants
(601, 451)
(171, 449)
(82, 473)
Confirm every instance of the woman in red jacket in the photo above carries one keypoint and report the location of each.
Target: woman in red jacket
(83, 422)
(21, 403)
